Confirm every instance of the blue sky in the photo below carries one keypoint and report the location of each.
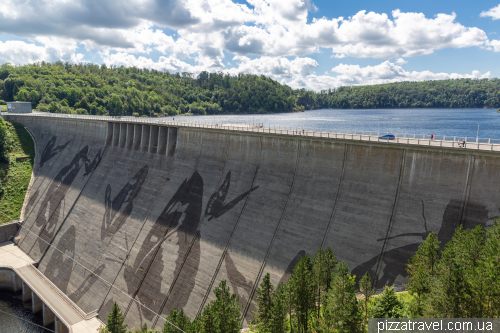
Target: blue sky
(303, 43)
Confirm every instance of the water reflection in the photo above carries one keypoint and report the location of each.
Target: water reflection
(11, 303)
(449, 122)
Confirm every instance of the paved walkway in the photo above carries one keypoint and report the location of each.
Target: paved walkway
(13, 257)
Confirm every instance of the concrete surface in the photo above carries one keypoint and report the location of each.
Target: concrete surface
(170, 211)
(43, 296)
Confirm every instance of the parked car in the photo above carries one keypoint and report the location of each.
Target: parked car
(387, 137)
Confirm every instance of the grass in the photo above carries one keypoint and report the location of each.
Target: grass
(17, 173)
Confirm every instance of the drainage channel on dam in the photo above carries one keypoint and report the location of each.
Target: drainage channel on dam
(17, 317)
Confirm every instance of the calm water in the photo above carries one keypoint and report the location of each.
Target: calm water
(448, 122)
(13, 305)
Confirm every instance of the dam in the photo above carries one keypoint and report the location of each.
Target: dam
(155, 215)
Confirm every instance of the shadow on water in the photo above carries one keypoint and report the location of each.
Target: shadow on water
(11, 303)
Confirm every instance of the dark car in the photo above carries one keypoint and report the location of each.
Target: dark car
(387, 137)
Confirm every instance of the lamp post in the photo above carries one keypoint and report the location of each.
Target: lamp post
(477, 135)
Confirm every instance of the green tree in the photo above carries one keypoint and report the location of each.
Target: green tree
(387, 305)
(302, 286)
(175, 320)
(342, 312)
(208, 320)
(115, 105)
(227, 310)
(264, 301)
(422, 270)
(115, 320)
(278, 311)
(323, 265)
(366, 288)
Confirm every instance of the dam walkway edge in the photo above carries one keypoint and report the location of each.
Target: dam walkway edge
(481, 144)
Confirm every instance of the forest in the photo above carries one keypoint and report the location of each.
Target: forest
(98, 90)
(457, 280)
(118, 91)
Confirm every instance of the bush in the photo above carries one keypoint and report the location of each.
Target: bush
(43, 107)
(81, 111)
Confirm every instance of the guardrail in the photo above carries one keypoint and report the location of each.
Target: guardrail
(485, 144)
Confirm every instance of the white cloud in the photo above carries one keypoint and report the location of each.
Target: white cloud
(495, 44)
(19, 52)
(494, 13)
(195, 35)
(279, 68)
(385, 72)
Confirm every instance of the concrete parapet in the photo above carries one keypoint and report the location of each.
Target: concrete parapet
(7, 230)
(36, 302)
(48, 315)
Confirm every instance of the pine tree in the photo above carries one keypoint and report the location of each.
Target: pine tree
(323, 265)
(489, 267)
(278, 310)
(342, 312)
(208, 323)
(227, 310)
(175, 320)
(422, 270)
(387, 305)
(302, 287)
(365, 286)
(115, 320)
(265, 304)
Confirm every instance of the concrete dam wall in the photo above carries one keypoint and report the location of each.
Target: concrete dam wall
(165, 213)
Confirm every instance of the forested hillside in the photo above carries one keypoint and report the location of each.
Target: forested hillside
(458, 93)
(94, 89)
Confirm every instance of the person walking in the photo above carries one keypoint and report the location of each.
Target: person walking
(432, 136)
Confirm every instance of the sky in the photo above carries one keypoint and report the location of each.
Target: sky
(308, 44)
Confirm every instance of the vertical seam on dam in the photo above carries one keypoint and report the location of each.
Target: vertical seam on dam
(34, 205)
(250, 297)
(146, 271)
(42, 229)
(466, 195)
(341, 180)
(393, 214)
(70, 210)
(135, 241)
(195, 238)
(223, 256)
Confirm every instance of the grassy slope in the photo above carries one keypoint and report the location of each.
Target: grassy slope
(18, 176)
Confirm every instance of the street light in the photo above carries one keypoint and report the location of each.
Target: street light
(477, 135)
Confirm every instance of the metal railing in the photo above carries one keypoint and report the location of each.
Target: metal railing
(484, 144)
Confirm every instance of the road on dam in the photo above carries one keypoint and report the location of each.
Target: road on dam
(154, 216)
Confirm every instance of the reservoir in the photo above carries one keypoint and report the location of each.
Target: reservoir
(447, 122)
